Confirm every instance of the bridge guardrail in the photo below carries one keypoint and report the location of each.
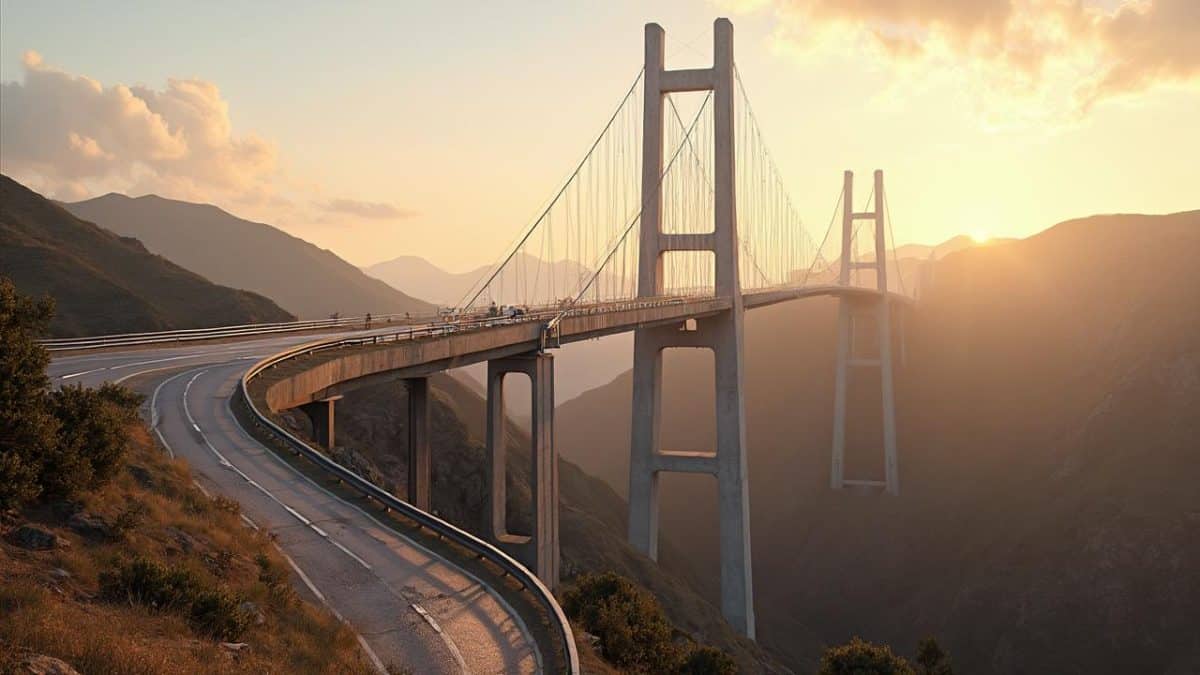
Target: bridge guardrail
(479, 547)
(193, 334)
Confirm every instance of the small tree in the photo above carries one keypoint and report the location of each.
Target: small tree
(52, 443)
(932, 659)
(27, 430)
(859, 657)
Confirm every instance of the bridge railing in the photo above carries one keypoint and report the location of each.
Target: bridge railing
(480, 548)
(217, 332)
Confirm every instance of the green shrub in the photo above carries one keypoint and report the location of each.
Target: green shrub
(93, 437)
(53, 444)
(27, 430)
(218, 613)
(634, 633)
(276, 579)
(859, 657)
(147, 582)
(129, 519)
(214, 612)
(706, 660)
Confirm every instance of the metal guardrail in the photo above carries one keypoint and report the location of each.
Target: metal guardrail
(193, 334)
(543, 595)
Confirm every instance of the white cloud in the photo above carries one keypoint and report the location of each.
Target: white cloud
(1047, 58)
(64, 131)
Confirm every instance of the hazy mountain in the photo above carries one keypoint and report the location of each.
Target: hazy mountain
(1049, 519)
(306, 280)
(104, 283)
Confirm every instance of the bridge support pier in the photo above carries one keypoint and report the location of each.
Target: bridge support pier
(722, 333)
(420, 458)
(539, 550)
(321, 414)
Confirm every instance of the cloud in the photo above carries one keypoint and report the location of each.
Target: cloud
(65, 131)
(366, 210)
(1067, 54)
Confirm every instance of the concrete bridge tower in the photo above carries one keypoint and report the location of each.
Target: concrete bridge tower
(852, 311)
(721, 333)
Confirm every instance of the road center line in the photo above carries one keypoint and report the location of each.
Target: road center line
(224, 461)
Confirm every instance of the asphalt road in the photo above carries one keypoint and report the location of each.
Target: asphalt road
(409, 606)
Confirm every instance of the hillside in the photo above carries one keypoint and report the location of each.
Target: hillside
(104, 283)
(1048, 521)
(371, 430)
(55, 600)
(307, 281)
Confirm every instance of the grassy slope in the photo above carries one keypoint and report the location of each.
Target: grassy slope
(103, 283)
(65, 618)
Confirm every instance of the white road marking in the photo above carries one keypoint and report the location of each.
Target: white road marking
(371, 655)
(224, 461)
(512, 612)
(82, 372)
(154, 410)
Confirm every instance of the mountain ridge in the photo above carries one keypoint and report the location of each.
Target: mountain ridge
(105, 283)
(309, 281)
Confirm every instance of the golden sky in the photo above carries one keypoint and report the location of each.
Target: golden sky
(438, 130)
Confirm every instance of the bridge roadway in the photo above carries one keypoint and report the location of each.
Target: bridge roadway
(329, 368)
(368, 573)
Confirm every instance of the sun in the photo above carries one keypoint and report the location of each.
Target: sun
(980, 237)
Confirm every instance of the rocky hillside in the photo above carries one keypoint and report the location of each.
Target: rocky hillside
(105, 283)
(1049, 519)
(308, 281)
(371, 429)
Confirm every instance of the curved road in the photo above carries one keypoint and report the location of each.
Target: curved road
(409, 606)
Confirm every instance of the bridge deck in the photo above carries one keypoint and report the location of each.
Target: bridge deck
(320, 370)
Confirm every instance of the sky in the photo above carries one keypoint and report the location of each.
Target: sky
(380, 129)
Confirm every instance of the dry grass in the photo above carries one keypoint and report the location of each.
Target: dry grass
(168, 520)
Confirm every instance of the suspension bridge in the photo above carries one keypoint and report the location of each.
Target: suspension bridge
(674, 223)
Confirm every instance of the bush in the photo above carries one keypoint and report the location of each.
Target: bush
(634, 633)
(276, 579)
(218, 613)
(214, 612)
(53, 444)
(859, 657)
(707, 660)
(147, 582)
(27, 430)
(93, 437)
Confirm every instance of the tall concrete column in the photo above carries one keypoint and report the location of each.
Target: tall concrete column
(420, 458)
(540, 549)
(321, 414)
(841, 374)
(846, 356)
(722, 333)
